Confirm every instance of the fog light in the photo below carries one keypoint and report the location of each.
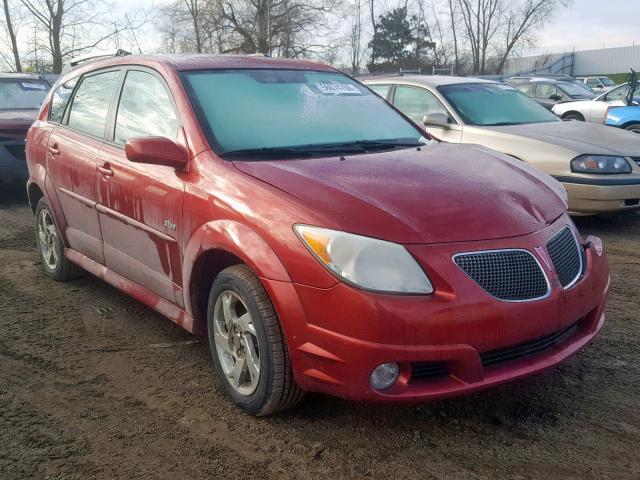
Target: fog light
(385, 375)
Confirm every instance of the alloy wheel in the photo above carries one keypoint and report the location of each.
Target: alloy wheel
(48, 240)
(236, 343)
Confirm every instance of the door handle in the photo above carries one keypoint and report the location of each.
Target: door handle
(54, 150)
(105, 170)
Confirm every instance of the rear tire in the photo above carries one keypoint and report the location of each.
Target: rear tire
(574, 116)
(247, 345)
(51, 248)
(635, 128)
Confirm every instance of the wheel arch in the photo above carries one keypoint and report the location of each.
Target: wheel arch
(570, 112)
(212, 248)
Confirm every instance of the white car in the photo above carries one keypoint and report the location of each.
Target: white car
(592, 110)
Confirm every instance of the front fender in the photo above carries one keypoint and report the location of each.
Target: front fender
(237, 239)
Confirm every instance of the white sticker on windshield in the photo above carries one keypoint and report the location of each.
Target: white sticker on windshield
(33, 86)
(330, 88)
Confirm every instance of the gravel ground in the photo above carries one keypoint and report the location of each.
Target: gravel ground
(95, 385)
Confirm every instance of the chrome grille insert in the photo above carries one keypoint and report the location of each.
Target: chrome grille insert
(513, 275)
(566, 256)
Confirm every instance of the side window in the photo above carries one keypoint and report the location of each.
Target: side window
(145, 109)
(382, 90)
(90, 104)
(545, 90)
(592, 82)
(619, 93)
(59, 100)
(527, 88)
(415, 102)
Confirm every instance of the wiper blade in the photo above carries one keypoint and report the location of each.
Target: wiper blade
(266, 151)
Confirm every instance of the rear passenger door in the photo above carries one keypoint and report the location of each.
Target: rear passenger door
(140, 205)
(72, 156)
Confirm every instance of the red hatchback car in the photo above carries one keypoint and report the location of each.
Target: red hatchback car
(309, 229)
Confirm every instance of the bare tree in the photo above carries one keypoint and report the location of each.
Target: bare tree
(355, 38)
(481, 19)
(520, 19)
(12, 36)
(452, 17)
(71, 26)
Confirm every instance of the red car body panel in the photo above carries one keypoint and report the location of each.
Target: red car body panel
(155, 232)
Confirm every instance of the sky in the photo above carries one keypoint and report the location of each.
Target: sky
(592, 24)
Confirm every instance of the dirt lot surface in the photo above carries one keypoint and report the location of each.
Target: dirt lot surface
(94, 385)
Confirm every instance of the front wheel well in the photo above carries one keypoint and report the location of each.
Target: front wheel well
(35, 194)
(572, 113)
(205, 270)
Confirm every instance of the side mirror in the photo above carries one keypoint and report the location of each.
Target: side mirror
(555, 97)
(436, 119)
(156, 151)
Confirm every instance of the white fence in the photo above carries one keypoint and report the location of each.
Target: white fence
(587, 62)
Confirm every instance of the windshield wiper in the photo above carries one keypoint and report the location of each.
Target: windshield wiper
(361, 146)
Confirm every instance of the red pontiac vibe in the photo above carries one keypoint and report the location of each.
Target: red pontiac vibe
(309, 229)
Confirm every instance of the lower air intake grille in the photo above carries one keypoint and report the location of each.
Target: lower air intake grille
(566, 256)
(427, 370)
(512, 275)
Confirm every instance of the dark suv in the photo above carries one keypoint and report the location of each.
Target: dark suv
(20, 98)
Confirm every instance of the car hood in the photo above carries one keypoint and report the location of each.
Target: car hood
(16, 122)
(443, 193)
(578, 137)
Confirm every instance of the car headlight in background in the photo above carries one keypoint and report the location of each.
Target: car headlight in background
(600, 164)
(366, 262)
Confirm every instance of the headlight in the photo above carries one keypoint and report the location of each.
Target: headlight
(365, 262)
(600, 164)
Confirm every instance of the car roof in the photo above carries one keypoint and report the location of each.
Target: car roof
(189, 62)
(429, 80)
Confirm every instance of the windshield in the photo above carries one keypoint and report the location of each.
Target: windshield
(492, 104)
(22, 94)
(249, 110)
(575, 90)
(607, 82)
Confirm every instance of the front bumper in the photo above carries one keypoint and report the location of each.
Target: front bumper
(605, 195)
(13, 164)
(337, 336)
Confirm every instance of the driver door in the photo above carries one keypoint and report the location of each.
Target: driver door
(416, 102)
(614, 98)
(140, 205)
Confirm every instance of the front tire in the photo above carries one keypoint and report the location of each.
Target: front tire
(635, 128)
(51, 248)
(247, 345)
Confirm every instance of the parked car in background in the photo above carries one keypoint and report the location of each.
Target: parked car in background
(21, 96)
(326, 247)
(624, 117)
(596, 164)
(547, 92)
(594, 110)
(598, 84)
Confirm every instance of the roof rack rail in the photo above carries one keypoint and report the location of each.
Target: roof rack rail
(92, 57)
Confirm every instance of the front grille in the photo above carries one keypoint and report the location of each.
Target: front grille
(511, 275)
(426, 370)
(636, 159)
(566, 256)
